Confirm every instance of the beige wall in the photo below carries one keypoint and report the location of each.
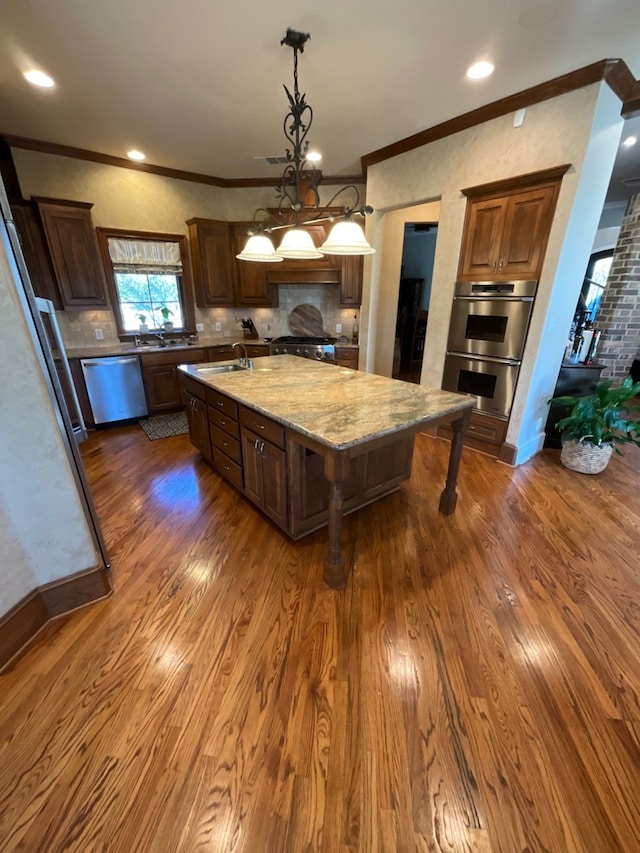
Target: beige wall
(555, 132)
(43, 531)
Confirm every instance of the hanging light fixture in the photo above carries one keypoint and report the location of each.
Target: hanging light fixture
(299, 200)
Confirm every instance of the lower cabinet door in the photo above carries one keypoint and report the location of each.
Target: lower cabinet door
(274, 482)
(198, 425)
(265, 476)
(252, 464)
(161, 385)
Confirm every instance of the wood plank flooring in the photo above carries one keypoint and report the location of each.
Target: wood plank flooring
(476, 686)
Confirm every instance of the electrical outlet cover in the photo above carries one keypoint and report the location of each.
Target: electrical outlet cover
(338, 327)
(199, 327)
(99, 335)
(218, 327)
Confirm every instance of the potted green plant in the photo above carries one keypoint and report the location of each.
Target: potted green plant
(166, 313)
(597, 424)
(142, 320)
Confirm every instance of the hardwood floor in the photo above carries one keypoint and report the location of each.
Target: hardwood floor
(474, 688)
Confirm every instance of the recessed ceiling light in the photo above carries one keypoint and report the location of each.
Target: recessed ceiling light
(135, 155)
(629, 141)
(480, 70)
(39, 78)
(314, 156)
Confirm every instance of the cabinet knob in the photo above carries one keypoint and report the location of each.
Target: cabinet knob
(501, 264)
(219, 403)
(222, 422)
(260, 426)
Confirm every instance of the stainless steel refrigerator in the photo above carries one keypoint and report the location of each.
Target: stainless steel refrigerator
(41, 322)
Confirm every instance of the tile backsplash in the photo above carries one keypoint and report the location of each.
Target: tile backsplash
(78, 328)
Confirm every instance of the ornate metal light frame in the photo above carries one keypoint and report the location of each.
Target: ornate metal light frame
(298, 184)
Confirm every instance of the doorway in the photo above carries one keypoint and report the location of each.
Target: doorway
(416, 272)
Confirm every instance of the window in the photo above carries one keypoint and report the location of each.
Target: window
(149, 282)
(595, 282)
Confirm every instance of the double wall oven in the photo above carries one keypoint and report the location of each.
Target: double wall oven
(488, 331)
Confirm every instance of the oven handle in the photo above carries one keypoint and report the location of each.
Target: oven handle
(511, 362)
(486, 297)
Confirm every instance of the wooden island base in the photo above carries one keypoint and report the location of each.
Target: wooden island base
(297, 477)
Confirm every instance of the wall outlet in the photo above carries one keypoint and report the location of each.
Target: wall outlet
(338, 327)
(218, 327)
(199, 327)
(99, 335)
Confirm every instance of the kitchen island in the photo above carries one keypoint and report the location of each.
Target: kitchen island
(307, 442)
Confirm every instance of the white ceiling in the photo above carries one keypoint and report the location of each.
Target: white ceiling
(197, 84)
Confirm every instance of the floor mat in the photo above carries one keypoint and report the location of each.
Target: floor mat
(164, 426)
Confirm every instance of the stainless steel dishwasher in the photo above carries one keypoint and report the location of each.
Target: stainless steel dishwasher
(115, 389)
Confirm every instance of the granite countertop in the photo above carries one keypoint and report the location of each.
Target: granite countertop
(98, 351)
(336, 406)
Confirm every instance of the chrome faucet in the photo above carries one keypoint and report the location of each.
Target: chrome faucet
(160, 336)
(243, 360)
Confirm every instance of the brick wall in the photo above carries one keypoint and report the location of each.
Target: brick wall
(619, 312)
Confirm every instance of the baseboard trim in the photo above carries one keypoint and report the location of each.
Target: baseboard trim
(508, 453)
(21, 625)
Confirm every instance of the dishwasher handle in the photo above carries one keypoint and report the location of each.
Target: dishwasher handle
(99, 362)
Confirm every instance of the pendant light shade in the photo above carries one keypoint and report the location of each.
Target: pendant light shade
(298, 245)
(346, 238)
(259, 248)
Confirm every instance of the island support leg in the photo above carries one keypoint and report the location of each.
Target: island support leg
(449, 496)
(336, 469)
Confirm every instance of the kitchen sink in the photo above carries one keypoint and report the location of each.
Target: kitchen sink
(220, 368)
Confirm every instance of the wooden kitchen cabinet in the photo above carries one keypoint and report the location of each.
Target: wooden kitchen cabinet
(265, 464)
(36, 252)
(265, 476)
(75, 256)
(159, 376)
(507, 227)
(347, 356)
(251, 284)
(212, 263)
(198, 424)
(351, 280)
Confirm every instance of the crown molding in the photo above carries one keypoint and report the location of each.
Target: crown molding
(164, 171)
(614, 71)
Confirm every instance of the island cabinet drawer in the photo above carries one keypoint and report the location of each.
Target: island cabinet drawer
(224, 422)
(229, 469)
(226, 443)
(221, 403)
(262, 426)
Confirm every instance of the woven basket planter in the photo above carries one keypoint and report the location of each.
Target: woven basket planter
(585, 457)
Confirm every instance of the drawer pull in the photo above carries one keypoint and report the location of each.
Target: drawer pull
(226, 468)
(260, 426)
(219, 403)
(225, 444)
(222, 422)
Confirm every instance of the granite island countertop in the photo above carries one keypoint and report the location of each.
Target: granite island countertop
(336, 406)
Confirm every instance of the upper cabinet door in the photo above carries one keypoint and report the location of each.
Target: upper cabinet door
(211, 256)
(35, 251)
(526, 232)
(74, 252)
(351, 280)
(507, 227)
(252, 287)
(481, 242)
